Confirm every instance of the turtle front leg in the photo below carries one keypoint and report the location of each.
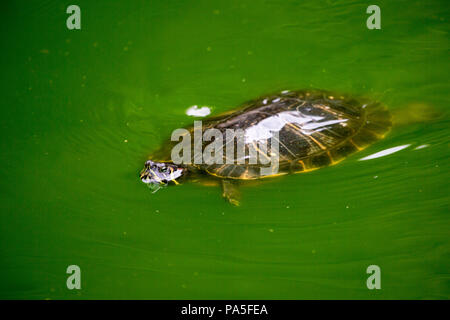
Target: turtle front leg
(231, 192)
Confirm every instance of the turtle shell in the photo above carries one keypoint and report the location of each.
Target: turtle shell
(314, 129)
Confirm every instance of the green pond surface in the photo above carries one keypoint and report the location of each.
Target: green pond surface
(83, 109)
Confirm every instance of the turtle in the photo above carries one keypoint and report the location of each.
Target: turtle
(312, 128)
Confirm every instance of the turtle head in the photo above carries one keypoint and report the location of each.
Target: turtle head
(160, 174)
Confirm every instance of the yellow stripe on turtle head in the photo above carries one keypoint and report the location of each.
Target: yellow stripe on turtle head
(156, 176)
(171, 176)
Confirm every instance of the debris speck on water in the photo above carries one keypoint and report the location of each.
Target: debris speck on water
(195, 111)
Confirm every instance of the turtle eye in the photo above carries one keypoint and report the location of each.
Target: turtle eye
(164, 169)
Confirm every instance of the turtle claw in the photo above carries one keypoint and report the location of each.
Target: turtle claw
(230, 199)
(231, 192)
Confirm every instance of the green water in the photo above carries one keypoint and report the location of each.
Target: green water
(82, 110)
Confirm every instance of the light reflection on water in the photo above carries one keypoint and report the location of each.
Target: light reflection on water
(385, 152)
